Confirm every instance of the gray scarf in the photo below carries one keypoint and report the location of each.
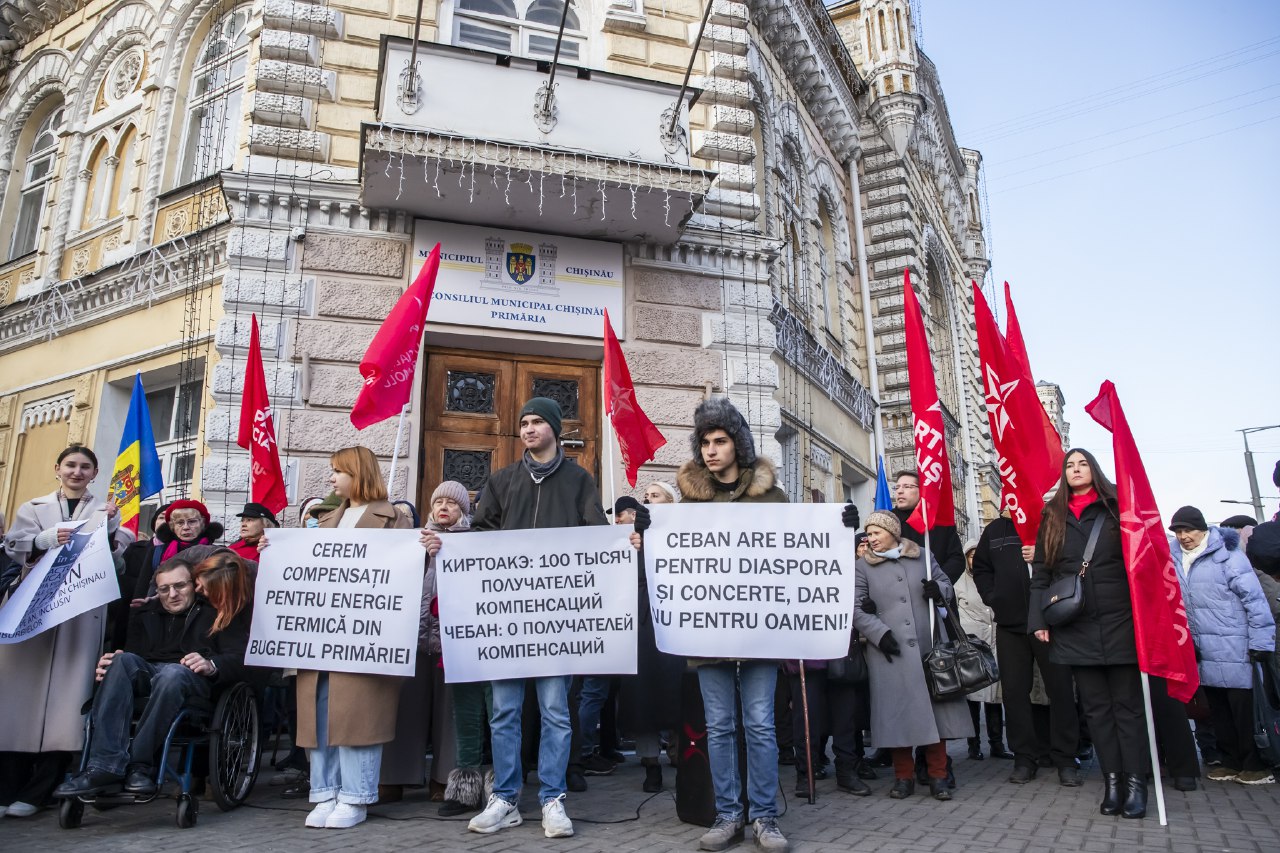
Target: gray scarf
(540, 471)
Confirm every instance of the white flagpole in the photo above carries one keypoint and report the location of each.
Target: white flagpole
(395, 453)
(928, 569)
(1151, 743)
(606, 436)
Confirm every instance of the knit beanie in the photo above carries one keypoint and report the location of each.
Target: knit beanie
(719, 413)
(886, 521)
(545, 408)
(669, 489)
(456, 492)
(1188, 518)
(1263, 548)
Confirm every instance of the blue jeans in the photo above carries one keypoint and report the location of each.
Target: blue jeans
(172, 684)
(756, 681)
(553, 746)
(595, 692)
(349, 773)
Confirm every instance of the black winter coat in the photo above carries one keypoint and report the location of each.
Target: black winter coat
(944, 544)
(1102, 635)
(226, 648)
(513, 501)
(1001, 575)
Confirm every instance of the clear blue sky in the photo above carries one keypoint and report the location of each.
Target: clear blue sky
(1133, 187)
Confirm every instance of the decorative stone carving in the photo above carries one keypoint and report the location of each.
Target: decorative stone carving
(125, 75)
(47, 411)
(803, 352)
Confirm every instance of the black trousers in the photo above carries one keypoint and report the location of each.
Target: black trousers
(30, 777)
(1111, 697)
(833, 710)
(1232, 712)
(1174, 740)
(1018, 655)
(995, 722)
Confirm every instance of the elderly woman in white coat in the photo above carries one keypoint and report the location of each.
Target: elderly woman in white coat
(46, 679)
(979, 620)
(894, 593)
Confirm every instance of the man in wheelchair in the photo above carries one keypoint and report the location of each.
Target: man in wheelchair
(175, 653)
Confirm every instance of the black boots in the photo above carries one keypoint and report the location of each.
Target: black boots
(848, 780)
(1135, 796)
(1110, 794)
(975, 749)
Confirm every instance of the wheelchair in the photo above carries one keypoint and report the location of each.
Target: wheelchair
(228, 727)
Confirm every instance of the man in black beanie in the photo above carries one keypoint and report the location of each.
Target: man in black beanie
(544, 489)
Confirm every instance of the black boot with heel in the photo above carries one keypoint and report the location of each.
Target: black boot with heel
(1111, 796)
(1135, 796)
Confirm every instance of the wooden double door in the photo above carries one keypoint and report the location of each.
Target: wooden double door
(471, 413)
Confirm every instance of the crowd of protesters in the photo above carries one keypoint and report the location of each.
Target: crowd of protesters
(1069, 690)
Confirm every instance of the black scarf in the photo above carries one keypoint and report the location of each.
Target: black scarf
(540, 471)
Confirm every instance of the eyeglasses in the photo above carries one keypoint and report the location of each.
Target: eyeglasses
(173, 587)
(185, 522)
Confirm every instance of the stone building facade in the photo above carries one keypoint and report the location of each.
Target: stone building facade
(171, 167)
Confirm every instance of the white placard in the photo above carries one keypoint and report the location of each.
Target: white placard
(743, 580)
(529, 603)
(68, 580)
(338, 600)
(520, 280)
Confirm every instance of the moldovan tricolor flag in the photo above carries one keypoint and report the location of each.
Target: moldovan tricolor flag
(638, 438)
(137, 475)
(258, 432)
(1159, 617)
(392, 357)
(937, 503)
(1018, 349)
(1028, 468)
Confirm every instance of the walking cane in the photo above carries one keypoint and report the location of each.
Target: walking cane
(808, 744)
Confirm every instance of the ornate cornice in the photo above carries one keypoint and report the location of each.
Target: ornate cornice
(29, 18)
(802, 351)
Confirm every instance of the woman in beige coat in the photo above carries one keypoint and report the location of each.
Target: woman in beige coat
(344, 718)
(46, 679)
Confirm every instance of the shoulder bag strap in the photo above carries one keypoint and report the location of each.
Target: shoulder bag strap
(1094, 533)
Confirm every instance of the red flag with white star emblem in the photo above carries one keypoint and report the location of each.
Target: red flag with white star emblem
(1018, 349)
(1159, 617)
(638, 438)
(937, 502)
(258, 433)
(1027, 466)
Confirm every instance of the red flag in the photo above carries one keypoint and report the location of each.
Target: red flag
(392, 357)
(1159, 617)
(937, 503)
(638, 438)
(1027, 468)
(1018, 349)
(258, 433)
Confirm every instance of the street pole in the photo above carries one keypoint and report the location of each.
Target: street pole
(1254, 494)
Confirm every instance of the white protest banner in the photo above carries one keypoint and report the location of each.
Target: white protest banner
(68, 580)
(338, 600)
(743, 580)
(529, 603)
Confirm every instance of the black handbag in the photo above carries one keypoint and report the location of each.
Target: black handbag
(961, 665)
(852, 668)
(1064, 600)
(1266, 713)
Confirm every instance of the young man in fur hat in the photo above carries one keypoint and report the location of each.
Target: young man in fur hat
(544, 489)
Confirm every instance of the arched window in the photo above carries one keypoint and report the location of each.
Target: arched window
(519, 27)
(791, 192)
(126, 172)
(37, 176)
(213, 106)
(829, 287)
(96, 197)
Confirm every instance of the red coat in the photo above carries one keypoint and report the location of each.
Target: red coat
(245, 550)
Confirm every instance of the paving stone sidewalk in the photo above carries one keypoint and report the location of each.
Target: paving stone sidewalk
(987, 814)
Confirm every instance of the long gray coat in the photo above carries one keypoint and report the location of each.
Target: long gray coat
(46, 679)
(902, 713)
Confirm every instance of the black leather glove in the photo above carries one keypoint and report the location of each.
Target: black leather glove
(1260, 655)
(643, 520)
(889, 645)
(869, 606)
(933, 592)
(849, 517)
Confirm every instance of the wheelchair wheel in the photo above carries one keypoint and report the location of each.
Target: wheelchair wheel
(234, 747)
(188, 811)
(70, 813)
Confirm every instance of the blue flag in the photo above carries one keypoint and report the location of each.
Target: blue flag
(137, 474)
(884, 499)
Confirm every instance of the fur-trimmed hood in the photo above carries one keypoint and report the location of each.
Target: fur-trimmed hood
(756, 482)
(906, 548)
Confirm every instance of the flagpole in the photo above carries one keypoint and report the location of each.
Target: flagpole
(1151, 743)
(606, 435)
(395, 453)
(928, 568)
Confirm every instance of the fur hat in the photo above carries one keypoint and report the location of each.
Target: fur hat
(545, 408)
(719, 413)
(886, 521)
(455, 491)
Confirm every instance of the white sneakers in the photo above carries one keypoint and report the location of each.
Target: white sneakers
(498, 814)
(332, 814)
(555, 823)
